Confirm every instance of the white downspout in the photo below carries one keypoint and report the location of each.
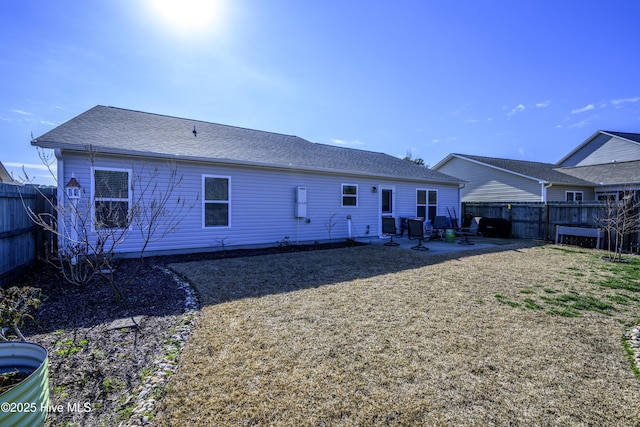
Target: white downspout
(545, 186)
(60, 195)
(460, 187)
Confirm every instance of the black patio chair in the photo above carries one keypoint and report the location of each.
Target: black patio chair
(416, 231)
(469, 228)
(389, 229)
(439, 226)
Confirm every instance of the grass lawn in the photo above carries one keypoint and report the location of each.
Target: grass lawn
(518, 335)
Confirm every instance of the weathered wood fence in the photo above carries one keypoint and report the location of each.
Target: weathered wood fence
(539, 220)
(21, 242)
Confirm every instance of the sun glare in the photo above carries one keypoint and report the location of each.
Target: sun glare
(189, 16)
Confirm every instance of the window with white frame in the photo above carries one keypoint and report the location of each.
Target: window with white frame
(111, 198)
(349, 195)
(215, 201)
(574, 196)
(426, 203)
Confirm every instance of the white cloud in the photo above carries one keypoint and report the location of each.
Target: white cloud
(618, 102)
(579, 124)
(518, 109)
(543, 104)
(583, 109)
(21, 112)
(346, 143)
(35, 166)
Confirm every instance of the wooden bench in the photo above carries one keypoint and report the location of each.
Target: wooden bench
(563, 230)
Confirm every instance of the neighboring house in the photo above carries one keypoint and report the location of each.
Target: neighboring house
(247, 187)
(5, 177)
(603, 166)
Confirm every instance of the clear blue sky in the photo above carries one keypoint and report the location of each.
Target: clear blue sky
(518, 79)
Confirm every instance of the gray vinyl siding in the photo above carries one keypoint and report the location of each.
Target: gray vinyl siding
(486, 184)
(604, 149)
(262, 204)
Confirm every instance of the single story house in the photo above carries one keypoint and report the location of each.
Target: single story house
(603, 166)
(240, 187)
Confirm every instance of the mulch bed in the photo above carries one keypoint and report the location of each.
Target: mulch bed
(94, 366)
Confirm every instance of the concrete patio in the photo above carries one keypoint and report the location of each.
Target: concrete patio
(441, 246)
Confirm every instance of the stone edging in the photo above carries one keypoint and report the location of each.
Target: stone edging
(163, 367)
(633, 338)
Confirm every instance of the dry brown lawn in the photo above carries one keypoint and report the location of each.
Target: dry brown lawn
(383, 336)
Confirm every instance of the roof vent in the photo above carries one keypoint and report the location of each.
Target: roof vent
(195, 132)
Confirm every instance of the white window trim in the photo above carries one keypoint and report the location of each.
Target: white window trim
(574, 192)
(427, 204)
(342, 195)
(383, 187)
(204, 202)
(93, 195)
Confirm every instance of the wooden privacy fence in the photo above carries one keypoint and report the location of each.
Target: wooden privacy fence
(21, 242)
(537, 220)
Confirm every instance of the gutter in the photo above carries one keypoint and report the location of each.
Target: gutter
(610, 184)
(209, 160)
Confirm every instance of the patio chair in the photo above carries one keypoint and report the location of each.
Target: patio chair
(416, 231)
(389, 229)
(439, 226)
(469, 228)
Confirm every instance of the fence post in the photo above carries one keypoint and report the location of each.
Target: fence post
(545, 213)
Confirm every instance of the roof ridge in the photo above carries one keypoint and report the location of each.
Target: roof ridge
(199, 121)
(504, 158)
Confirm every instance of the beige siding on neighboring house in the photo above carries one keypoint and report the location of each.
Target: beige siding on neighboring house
(557, 193)
(486, 184)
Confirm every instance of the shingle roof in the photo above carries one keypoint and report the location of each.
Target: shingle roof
(603, 174)
(117, 130)
(607, 174)
(548, 172)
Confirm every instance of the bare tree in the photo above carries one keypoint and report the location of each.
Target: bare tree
(620, 218)
(157, 211)
(91, 225)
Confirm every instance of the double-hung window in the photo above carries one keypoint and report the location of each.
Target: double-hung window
(349, 195)
(215, 201)
(426, 204)
(573, 196)
(111, 198)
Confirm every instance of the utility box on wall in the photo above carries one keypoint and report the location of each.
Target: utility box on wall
(301, 202)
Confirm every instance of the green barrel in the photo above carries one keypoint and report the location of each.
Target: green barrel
(449, 235)
(27, 402)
